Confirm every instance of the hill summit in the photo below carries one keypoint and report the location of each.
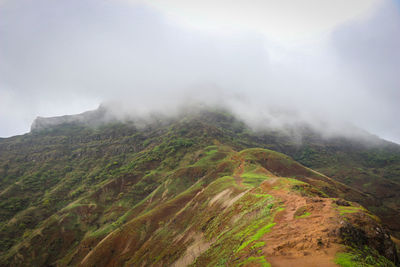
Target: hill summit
(200, 188)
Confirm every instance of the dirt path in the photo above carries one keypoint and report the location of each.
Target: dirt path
(294, 241)
(239, 171)
(307, 241)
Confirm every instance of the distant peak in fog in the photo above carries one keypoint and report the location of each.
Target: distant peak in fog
(290, 124)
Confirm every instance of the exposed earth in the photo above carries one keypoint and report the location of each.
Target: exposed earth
(198, 190)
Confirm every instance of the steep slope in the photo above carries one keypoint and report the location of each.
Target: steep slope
(362, 161)
(238, 219)
(177, 192)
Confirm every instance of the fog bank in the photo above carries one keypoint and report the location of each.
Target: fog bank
(66, 57)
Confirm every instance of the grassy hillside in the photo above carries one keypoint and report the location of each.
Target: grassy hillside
(191, 192)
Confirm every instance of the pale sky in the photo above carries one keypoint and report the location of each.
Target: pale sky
(279, 20)
(338, 60)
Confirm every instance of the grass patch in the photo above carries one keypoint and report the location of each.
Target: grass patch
(301, 213)
(365, 257)
(103, 231)
(253, 179)
(258, 244)
(260, 260)
(349, 209)
(212, 155)
(243, 224)
(345, 260)
(306, 214)
(256, 236)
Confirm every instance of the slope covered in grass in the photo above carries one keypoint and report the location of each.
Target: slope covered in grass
(200, 189)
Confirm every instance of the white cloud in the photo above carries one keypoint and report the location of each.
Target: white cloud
(279, 20)
(61, 57)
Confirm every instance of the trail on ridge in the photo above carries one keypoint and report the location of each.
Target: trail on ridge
(301, 241)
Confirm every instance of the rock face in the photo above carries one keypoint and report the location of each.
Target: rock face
(103, 115)
(88, 118)
(360, 231)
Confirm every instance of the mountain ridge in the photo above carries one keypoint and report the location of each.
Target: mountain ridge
(115, 166)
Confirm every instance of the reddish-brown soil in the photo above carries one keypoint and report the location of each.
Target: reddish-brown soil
(305, 231)
(309, 241)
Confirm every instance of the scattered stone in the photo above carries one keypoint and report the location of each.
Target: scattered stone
(342, 202)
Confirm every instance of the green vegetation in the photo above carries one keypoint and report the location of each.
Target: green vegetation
(261, 232)
(346, 260)
(258, 244)
(166, 185)
(239, 228)
(253, 179)
(365, 257)
(306, 214)
(301, 213)
(260, 260)
(350, 209)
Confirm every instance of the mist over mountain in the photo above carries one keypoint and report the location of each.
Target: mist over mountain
(200, 187)
(285, 122)
(199, 133)
(144, 55)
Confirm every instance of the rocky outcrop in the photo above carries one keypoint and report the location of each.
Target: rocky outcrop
(360, 231)
(88, 118)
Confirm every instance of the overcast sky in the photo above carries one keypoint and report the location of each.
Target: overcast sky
(337, 60)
